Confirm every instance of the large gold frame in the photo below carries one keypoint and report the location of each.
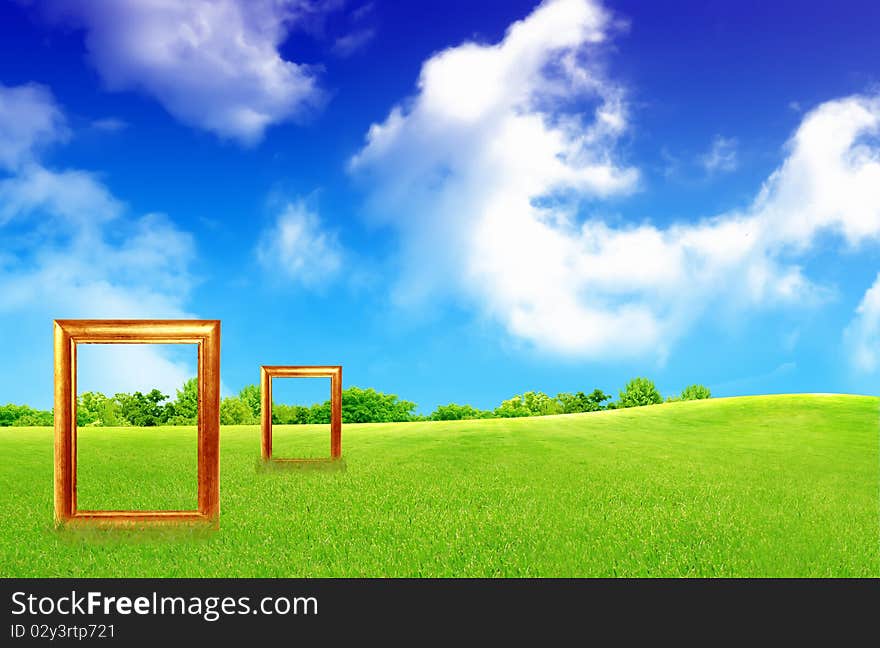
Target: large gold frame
(70, 333)
(334, 373)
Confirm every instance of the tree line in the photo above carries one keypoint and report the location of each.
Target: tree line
(358, 406)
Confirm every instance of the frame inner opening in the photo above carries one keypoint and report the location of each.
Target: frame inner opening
(137, 427)
(301, 417)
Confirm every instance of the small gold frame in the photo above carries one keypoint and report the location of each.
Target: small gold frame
(334, 373)
(204, 333)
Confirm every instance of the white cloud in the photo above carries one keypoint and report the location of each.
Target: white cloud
(722, 155)
(863, 333)
(75, 197)
(298, 245)
(485, 172)
(213, 64)
(29, 120)
(132, 268)
(830, 181)
(352, 42)
(110, 124)
(71, 250)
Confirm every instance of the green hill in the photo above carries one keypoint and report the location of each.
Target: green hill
(753, 486)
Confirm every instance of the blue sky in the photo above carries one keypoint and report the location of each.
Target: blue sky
(457, 201)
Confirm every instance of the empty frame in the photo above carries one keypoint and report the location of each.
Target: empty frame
(205, 334)
(334, 373)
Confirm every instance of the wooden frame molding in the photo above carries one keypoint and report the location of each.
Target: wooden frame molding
(334, 373)
(205, 334)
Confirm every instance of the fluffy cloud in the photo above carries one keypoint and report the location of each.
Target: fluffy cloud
(71, 250)
(72, 196)
(486, 170)
(863, 333)
(297, 244)
(29, 120)
(830, 181)
(353, 42)
(722, 156)
(213, 64)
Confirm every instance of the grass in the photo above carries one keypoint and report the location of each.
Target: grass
(757, 486)
(301, 441)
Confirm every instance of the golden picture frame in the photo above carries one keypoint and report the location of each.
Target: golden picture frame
(203, 333)
(334, 373)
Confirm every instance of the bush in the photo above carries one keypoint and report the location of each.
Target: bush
(358, 406)
(320, 413)
(94, 408)
(512, 408)
(540, 404)
(250, 396)
(529, 404)
(289, 414)
(638, 392)
(453, 412)
(35, 418)
(233, 411)
(10, 413)
(186, 405)
(144, 410)
(182, 420)
(695, 392)
(22, 415)
(371, 406)
(581, 402)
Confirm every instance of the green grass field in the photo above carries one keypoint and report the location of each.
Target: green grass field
(757, 486)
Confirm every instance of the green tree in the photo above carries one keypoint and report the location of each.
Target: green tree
(88, 408)
(143, 410)
(529, 404)
(581, 402)
(129, 408)
(695, 392)
(94, 408)
(572, 403)
(319, 413)
(185, 408)
(22, 415)
(453, 412)
(233, 411)
(639, 391)
(358, 406)
(158, 409)
(512, 408)
(34, 417)
(250, 396)
(289, 414)
(10, 413)
(596, 400)
(371, 406)
(540, 404)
